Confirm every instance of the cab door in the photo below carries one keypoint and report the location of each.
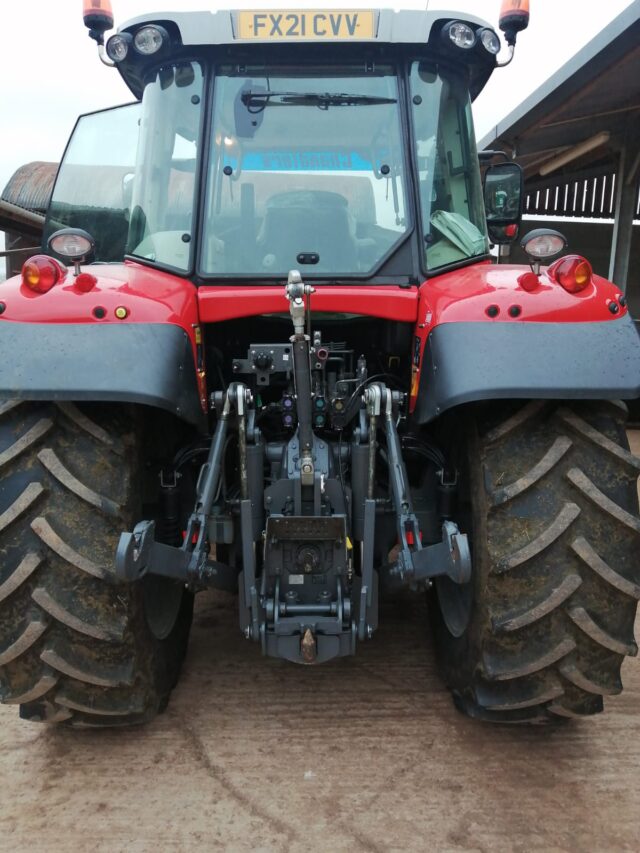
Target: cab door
(93, 186)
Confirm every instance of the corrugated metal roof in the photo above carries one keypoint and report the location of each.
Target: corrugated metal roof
(31, 185)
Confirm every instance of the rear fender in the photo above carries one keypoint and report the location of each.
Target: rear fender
(481, 336)
(465, 362)
(70, 345)
(149, 363)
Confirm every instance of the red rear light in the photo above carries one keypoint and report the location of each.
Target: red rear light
(41, 272)
(574, 273)
(84, 282)
(528, 281)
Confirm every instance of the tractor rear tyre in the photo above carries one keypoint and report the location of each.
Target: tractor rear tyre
(76, 646)
(540, 632)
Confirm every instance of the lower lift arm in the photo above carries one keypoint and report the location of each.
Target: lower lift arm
(138, 553)
(414, 563)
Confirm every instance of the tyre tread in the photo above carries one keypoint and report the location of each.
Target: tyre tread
(595, 562)
(37, 431)
(68, 630)
(29, 635)
(23, 571)
(57, 469)
(47, 534)
(550, 600)
(21, 504)
(596, 437)
(587, 623)
(591, 491)
(551, 458)
(557, 605)
(100, 628)
(561, 523)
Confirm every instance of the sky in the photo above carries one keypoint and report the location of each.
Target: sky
(51, 73)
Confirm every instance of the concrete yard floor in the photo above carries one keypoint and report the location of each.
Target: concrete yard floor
(363, 754)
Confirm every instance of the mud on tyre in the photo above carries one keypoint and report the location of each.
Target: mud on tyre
(542, 629)
(75, 646)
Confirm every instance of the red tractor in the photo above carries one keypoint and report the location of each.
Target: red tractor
(267, 350)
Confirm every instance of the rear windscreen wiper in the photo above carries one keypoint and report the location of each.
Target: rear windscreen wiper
(257, 101)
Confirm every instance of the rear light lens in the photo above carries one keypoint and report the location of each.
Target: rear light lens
(41, 272)
(574, 273)
(529, 281)
(85, 282)
(415, 381)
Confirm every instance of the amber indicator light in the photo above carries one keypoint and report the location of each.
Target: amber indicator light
(572, 272)
(40, 273)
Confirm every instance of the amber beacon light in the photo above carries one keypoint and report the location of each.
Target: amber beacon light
(98, 18)
(514, 17)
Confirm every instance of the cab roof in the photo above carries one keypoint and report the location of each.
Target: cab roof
(407, 26)
(264, 34)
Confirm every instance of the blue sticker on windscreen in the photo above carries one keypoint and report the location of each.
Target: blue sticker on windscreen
(304, 161)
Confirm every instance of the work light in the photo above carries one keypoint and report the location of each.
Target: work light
(150, 39)
(118, 47)
(461, 35)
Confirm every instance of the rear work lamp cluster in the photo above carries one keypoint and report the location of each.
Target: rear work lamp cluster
(573, 272)
(41, 272)
(147, 41)
(152, 38)
(461, 35)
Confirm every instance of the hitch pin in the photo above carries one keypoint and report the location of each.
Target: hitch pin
(308, 647)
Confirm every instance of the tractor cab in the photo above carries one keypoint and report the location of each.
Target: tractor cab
(340, 143)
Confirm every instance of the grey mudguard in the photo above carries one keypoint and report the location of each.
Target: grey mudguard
(150, 363)
(465, 362)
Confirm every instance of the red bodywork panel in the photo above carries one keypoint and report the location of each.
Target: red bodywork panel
(463, 295)
(149, 296)
(389, 302)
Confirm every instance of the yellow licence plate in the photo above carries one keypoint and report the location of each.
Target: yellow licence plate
(307, 24)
